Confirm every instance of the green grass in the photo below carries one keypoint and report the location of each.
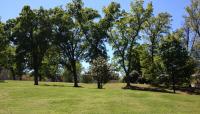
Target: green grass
(22, 97)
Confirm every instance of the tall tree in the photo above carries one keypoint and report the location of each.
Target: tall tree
(3, 46)
(3, 38)
(18, 58)
(11, 55)
(97, 32)
(32, 35)
(70, 33)
(126, 32)
(192, 27)
(193, 17)
(155, 28)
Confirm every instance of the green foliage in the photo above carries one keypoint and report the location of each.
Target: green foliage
(193, 16)
(49, 41)
(3, 45)
(68, 75)
(126, 32)
(50, 64)
(7, 52)
(96, 38)
(100, 71)
(3, 38)
(191, 28)
(87, 78)
(145, 60)
(176, 60)
(31, 35)
(155, 29)
(70, 28)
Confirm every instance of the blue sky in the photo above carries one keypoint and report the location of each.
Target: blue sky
(12, 8)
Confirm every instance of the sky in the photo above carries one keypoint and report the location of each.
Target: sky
(11, 9)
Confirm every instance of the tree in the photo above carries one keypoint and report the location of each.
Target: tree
(3, 46)
(50, 64)
(68, 44)
(3, 38)
(96, 42)
(11, 49)
(10, 60)
(193, 18)
(18, 56)
(155, 29)
(192, 25)
(97, 32)
(100, 70)
(31, 35)
(145, 61)
(7, 59)
(126, 32)
(70, 34)
(175, 59)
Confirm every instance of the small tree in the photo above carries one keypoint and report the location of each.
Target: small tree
(100, 70)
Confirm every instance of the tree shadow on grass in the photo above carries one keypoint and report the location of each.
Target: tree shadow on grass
(55, 85)
(190, 90)
(152, 89)
(2, 81)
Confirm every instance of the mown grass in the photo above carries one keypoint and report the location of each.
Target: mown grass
(22, 97)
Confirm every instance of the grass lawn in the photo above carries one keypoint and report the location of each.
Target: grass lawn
(22, 97)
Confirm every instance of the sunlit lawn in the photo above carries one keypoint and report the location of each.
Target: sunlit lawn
(22, 97)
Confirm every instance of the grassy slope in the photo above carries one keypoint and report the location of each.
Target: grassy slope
(23, 98)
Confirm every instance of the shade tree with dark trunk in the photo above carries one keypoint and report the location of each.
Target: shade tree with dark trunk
(31, 35)
(126, 32)
(70, 33)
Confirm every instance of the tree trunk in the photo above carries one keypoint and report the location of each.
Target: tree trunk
(13, 73)
(35, 76)
(99, 84)
(173, 79)
(128, 83)
(75, 74)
